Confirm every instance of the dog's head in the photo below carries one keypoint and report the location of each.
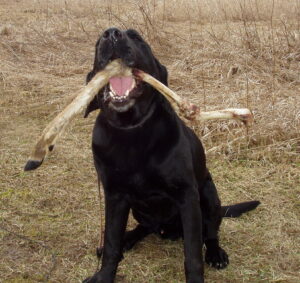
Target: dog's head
(125, 94)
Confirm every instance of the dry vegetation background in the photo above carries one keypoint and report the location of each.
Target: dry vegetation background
(49, 217)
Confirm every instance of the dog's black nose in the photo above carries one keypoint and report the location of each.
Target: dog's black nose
(113, 34)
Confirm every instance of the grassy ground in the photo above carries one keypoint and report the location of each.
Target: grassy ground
(49, 217)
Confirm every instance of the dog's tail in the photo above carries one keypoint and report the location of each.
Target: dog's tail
(238, 209)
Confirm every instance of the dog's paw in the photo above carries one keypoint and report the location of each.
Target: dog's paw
(217, 258)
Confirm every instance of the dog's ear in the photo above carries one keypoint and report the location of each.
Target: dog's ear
(93, 105)
(96, 61)
(162, 73)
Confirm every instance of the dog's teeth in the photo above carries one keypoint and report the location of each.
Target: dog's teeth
(113, 95)
(112, 90)
(116, 97)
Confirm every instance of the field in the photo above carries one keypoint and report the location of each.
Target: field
(49, 218)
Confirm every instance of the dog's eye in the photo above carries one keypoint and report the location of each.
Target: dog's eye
(135, 36)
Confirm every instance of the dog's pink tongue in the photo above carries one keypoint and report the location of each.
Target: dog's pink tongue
(121, 84)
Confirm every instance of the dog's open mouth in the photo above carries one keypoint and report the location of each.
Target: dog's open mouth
(121, 92)
(120, 88)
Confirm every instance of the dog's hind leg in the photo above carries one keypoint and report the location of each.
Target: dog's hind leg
(134, 236)
(215, 256)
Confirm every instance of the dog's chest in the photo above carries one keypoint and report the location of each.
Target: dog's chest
(138, 165)
(139, 184)
(151, 200)
(141, 163)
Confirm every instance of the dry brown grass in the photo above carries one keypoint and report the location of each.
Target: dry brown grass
(49, 218)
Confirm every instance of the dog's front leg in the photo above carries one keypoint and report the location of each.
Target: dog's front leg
(192, 231)
(116, 215)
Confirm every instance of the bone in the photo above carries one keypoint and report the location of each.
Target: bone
(241, 114)
(190, 110)
(54, 129)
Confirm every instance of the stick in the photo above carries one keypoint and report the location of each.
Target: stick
(50, 134)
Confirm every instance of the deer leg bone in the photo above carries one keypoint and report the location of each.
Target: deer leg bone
(50, 134)
(241, 114)
(190, 110)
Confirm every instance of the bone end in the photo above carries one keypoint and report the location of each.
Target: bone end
(189, 110)
(138, 73)
(244, 115)
(32, 164)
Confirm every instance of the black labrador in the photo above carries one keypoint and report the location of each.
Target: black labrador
(149, 161)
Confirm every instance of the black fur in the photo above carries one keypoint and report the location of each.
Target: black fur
(151, 163)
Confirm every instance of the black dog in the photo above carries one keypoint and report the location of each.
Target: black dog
(149, 161)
